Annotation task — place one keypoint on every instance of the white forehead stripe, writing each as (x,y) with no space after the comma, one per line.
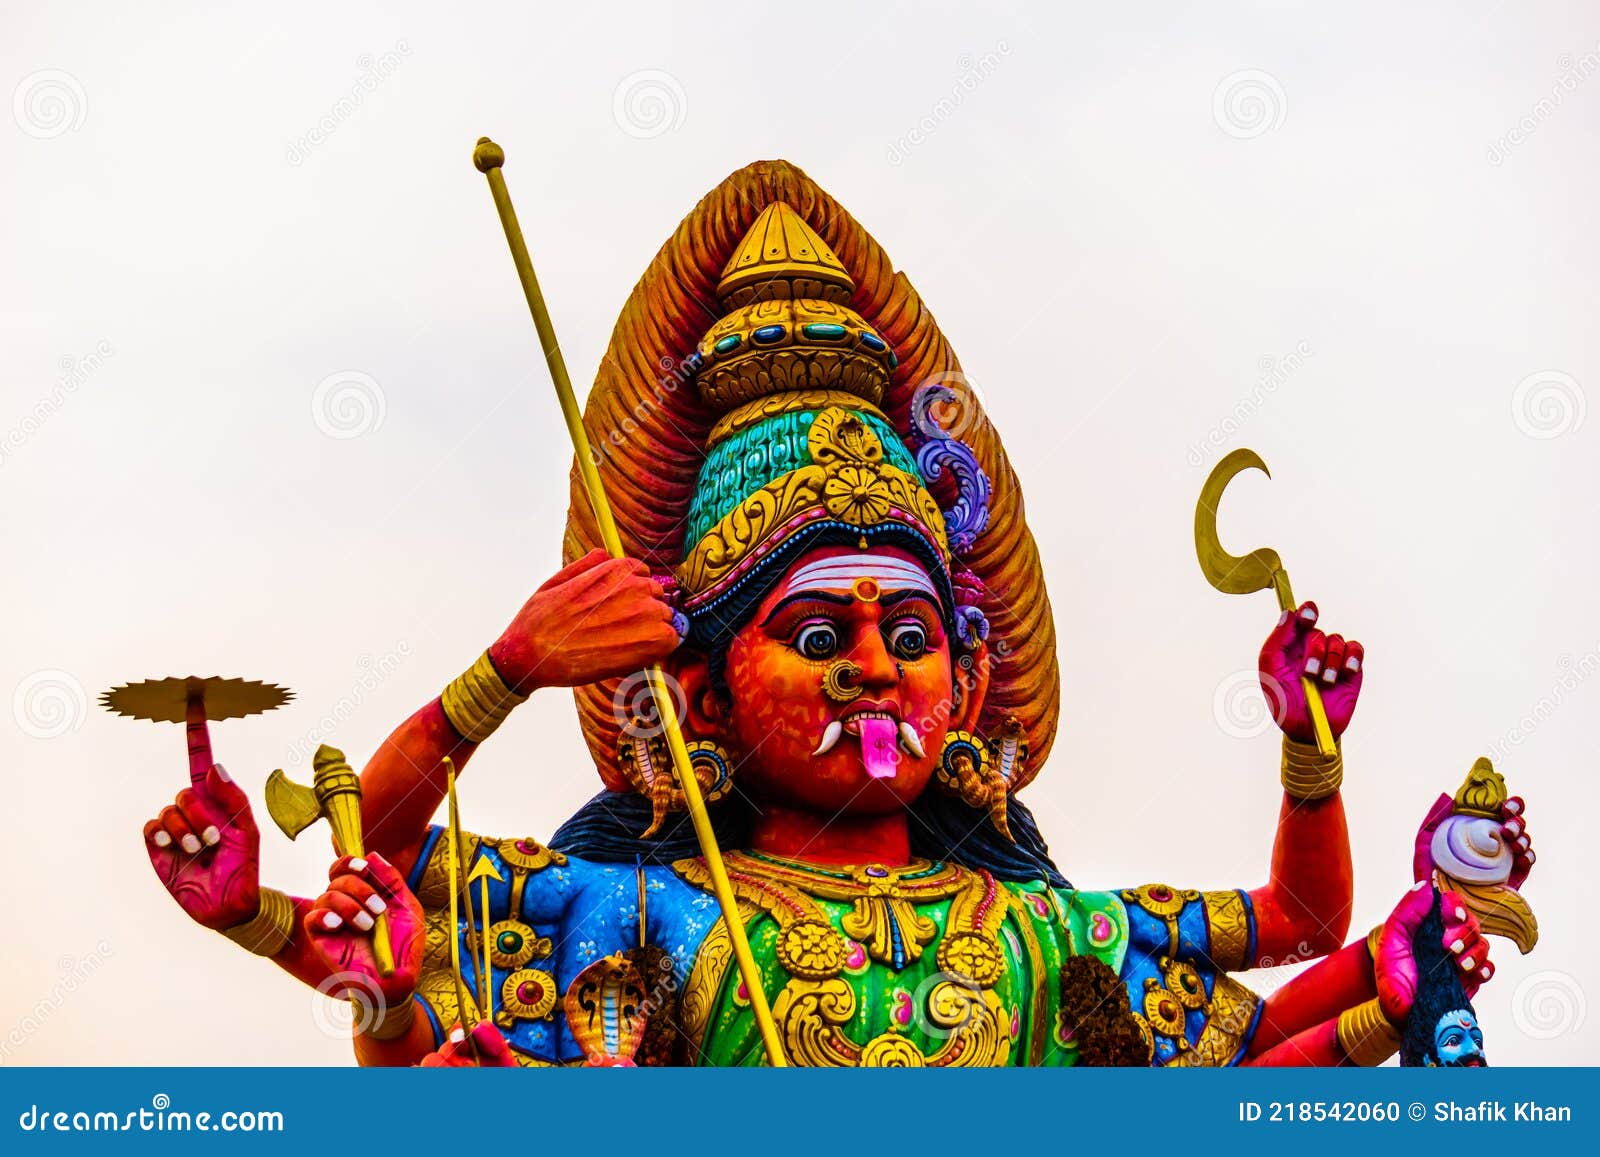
(838,576)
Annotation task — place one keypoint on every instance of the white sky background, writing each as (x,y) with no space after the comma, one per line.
(1115,259)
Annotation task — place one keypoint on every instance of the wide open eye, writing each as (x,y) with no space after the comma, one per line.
(908,640)
(817,641)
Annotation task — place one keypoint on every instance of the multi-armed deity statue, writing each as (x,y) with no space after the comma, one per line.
(828,556)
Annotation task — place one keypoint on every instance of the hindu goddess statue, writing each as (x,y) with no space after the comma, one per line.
(830,558)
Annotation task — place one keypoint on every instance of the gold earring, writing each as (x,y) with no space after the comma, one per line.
(838,681)
(966,770)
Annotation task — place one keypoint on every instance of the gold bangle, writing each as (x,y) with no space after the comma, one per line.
(1307,773)
(1366,1036)
(269,931)
(1372,941)
(391,1022)
(478,701)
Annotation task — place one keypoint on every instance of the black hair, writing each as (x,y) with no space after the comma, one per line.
(1439,990)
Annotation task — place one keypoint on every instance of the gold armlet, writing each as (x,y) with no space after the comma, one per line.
(390,1022)
(1366,1036)
(478,701)
(269,931)
(1307,773)
(1372,941)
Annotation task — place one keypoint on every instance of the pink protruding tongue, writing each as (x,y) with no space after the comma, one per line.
(879,747)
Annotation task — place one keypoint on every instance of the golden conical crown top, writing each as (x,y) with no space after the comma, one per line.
(782,257)
(1483,792)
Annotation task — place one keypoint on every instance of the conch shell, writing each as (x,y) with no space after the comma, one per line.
(1470,857)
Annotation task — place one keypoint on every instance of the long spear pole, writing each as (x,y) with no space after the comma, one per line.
(487,158)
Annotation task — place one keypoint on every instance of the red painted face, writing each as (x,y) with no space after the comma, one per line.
(802,747)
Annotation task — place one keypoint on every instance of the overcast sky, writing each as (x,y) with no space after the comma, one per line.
(270,406)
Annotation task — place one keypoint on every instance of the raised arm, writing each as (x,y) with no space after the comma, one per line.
(594,619)
(1303,910)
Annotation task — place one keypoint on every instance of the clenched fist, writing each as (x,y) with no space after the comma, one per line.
(1295,648)
(596,618)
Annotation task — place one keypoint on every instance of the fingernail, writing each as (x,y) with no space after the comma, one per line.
(377,906)
(1532,856)
(1513,806)
(1461,913)
(1523,843)
(1352,664)
(358,865)
(161,840)
(222,773)
(1419,885)
(1313,666)
(457,1036)
(1456,946)
(190,844)
(1513,829)
(1309,615)
(1466,964)
(1283,618)
(331,921)
(1329,674)
(211,836)
(362,921)
(1488,971)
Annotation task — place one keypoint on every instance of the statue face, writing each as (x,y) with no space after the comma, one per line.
(805,748)
(1458,1041)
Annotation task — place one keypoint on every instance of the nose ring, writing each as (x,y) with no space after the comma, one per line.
(839,681)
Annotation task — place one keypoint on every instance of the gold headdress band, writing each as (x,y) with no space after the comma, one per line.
(650,420)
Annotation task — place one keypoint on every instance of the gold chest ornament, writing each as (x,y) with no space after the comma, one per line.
(817,1002)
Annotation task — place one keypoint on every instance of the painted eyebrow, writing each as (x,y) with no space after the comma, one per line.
(808,597)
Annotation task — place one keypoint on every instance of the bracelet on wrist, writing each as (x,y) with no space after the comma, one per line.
(478,701)
(1307,773)
(269,931)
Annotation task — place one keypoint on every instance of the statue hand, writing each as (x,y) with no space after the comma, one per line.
(205,850)
(1297,648)
(457,1052)
(341,921)
(1395,966)
(1513,834)
(594,619)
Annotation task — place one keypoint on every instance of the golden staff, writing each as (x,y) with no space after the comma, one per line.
(1245,574)
(452,835)
(487,158)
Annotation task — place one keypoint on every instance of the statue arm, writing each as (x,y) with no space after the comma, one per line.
(1303,910)
(596,618)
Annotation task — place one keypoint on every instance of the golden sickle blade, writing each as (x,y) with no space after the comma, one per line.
(1234,574)
(487,158)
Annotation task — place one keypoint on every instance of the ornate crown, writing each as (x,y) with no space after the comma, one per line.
(789,329)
